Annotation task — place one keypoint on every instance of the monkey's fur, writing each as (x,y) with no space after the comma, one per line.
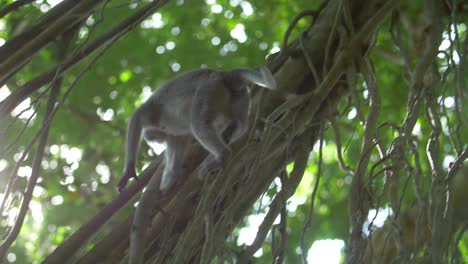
(209,105)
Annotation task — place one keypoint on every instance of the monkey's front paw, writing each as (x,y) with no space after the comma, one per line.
(128,174)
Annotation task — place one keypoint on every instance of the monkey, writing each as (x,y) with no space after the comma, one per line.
(210,106)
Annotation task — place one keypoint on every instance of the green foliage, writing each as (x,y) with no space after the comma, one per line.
(182,36)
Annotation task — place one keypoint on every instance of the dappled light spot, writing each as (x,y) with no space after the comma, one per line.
(3,164)
(53,3)
(231,46)
(449,102)
(154,22)
(223,51)
(107,115)
(205,22)
(39,191)
(125,76)
(275,48)
(103,171)
(53,164)
(376,218)
(11,257)
(170,45)
(45,164)
(352,113)
(160,49)
(157,148)
(12,214)
(348,179)
(238,33)
(215,41)
(445,44)
(90,21)
(83,32)
(448,160)
(57,200)
(54,149)
(247,234)
(417,129)
(4,92)
(24,110)
(234,3)
(175,67)
(247,8)
(68,179)
(228,14)
(327,251)
(217,8)
(175,31)
(112,80)
(113,94)
(24,171)
(146,93)
(70,155)
(72,189)
(97,100)
(44,8)
(17,156)
(365,93)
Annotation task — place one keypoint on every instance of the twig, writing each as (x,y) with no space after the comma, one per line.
(277,205)
(17,60)
(308,222)
(36,166)
(9,103)
(24,37)
(343,165)
(358,204)
(293,24)
(207,246)
(280,253)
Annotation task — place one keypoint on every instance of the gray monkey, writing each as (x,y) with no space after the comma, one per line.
(209,105)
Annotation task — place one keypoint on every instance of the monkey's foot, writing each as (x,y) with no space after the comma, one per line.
(211,167)
(166,183)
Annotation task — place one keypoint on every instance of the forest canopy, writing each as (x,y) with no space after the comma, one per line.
(360,156)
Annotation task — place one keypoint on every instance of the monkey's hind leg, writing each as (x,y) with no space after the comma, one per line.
(176,146)
(211,115)
(212,140)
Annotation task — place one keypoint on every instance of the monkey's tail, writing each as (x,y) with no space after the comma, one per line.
(262,77)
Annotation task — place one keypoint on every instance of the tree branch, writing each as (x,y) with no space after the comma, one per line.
(13,6)
(17,59)
(127,25)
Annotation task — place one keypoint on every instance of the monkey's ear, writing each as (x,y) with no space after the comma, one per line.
(269,80)
(263,77)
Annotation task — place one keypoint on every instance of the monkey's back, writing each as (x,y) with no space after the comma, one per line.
(185,84)
(173,100)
